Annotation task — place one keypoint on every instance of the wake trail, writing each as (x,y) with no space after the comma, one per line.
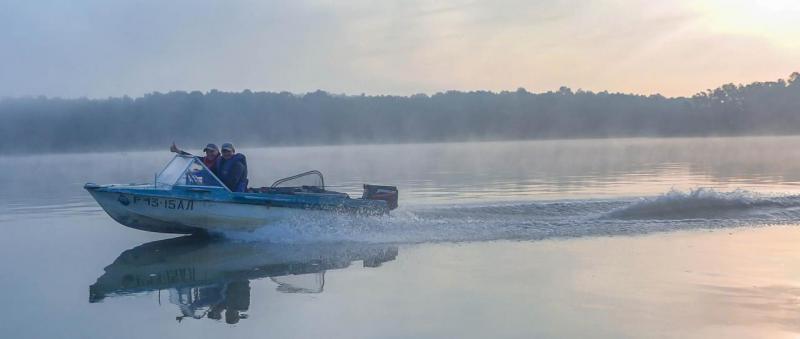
(700,208)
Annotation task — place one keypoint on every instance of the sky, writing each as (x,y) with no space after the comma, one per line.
(100,48)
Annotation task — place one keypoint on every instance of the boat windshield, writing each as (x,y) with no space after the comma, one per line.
(186,170)
(310,178)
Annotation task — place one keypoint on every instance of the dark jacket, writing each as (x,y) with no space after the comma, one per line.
(233,172)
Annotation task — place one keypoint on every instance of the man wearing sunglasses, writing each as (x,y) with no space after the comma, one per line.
(233,169)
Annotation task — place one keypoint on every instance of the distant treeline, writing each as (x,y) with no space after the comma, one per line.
(265,118)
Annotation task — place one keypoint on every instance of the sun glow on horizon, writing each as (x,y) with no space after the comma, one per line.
(774,20)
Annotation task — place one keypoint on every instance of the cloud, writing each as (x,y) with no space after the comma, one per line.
(98,48)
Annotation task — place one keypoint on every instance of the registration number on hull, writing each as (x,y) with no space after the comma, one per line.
(172,204)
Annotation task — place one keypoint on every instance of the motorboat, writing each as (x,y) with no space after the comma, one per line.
(204,276)
(187,198)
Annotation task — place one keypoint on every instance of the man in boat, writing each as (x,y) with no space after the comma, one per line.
(233,169)
(211,160)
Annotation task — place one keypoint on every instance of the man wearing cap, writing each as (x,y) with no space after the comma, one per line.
(233,169)
(211,160)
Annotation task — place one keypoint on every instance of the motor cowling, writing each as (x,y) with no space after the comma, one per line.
(385,193)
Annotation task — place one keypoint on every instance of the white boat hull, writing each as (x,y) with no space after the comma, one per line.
(173,215)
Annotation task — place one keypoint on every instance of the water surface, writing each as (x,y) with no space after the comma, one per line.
(576,238)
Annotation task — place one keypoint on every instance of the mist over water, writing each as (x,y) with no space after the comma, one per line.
(479,191)
(574,222)
(320,118)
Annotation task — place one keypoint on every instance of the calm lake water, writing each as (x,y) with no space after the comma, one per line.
(568,238)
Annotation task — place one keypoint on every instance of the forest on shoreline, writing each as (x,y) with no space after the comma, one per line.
(41,124)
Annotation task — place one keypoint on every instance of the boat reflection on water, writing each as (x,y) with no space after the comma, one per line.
(207,277)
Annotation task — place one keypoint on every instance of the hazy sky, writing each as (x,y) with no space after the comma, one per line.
(100,48)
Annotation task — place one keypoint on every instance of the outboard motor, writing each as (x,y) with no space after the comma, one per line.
(385,193)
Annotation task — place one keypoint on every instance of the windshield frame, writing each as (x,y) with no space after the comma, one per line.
(278,182)
(159,182)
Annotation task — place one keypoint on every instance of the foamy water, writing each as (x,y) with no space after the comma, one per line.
(701,208)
